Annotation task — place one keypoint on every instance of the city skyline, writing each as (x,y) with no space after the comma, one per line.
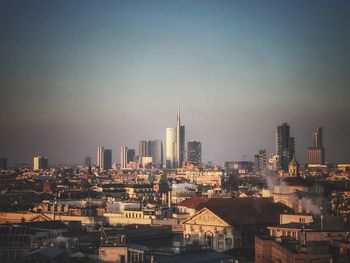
(77,75)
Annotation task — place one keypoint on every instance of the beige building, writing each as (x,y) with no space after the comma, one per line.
(122,254)
(226,223)
(208,229)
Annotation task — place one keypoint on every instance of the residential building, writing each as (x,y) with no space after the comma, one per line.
(260,161)
(194,152)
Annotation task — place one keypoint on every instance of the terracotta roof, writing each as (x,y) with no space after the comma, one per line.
(194,202)
(241,211)
(248,211)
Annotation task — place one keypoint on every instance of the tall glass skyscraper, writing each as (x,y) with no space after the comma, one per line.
(175,144)
(107,159)
(285,146)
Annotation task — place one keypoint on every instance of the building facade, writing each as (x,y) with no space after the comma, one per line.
(285,146)
(316,153)
(107,159)
(123,157)
(175,144)
(194,152)
(99,158)
(41,163)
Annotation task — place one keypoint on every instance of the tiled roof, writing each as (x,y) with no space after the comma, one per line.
(242,211)
(45,224)
(193,202)
(247,211)
(51,252)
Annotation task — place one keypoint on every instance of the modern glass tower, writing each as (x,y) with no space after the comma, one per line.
(285,146)
(107,159)
(175,144)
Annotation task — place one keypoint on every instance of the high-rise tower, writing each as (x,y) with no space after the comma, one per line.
(180,140)
(316,153)
(194,152)
(175,144)
(123,156)
(285,146)
(100,157)
(107,159)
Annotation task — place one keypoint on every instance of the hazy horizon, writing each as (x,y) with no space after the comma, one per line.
(79,74)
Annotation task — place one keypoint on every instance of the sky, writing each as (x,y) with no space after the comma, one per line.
(78,74)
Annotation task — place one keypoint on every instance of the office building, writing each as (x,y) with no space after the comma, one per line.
(3,163)
(175,144)
(99,158)
(131,156)
(194,152)
(285,146)
(260,161)
(170,147)
(155,150)
(41,163)
(143,148)
(123,157)
(107,159)
(316,153)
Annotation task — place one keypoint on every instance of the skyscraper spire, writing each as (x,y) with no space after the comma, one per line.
(178,123)
(175,143)
(178,144)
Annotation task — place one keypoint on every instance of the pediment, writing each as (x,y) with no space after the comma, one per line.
(40,218)
(206,217)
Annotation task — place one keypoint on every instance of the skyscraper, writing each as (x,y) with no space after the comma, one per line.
(170,147)
(180,140)
(317,138)
(143,148)
(130,156)
(285,146)
(155,150)
(99,158)
(260,160)
(316,153)
(194,152)
(41,163)
(107,159)
(175,144)
(123,156)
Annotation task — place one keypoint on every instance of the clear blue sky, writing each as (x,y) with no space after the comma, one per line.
(78,74)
